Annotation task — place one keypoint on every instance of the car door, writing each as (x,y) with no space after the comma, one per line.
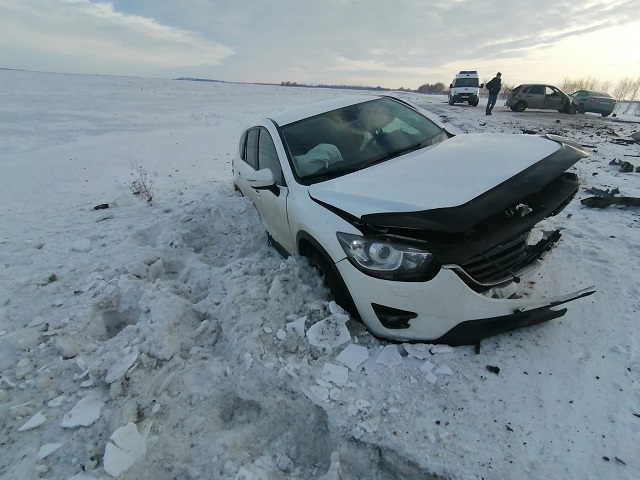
(535,96)
(554,99)
(580,97)
(271,202)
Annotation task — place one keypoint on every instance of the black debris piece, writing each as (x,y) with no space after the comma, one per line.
(627,167)
(493,369)
(606,198)
(620,461)
(623,141)
(102,206)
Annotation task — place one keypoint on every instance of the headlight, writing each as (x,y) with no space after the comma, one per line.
(392,261)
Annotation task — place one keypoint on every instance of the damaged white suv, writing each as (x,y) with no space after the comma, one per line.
(421,234)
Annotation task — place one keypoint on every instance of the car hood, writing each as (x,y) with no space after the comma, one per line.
(455,177)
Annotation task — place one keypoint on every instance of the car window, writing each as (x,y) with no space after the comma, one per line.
(351,138)
(537,90)
(268,156)
(251,150)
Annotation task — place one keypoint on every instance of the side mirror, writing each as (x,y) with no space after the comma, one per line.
(263,180)
(451,85)
(482,85)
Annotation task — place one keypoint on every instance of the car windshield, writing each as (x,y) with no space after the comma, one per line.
(355,137)
(466,82)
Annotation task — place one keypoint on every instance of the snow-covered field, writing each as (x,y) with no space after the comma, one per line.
(171,342)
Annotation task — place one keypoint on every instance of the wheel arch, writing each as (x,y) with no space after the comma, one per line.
(308,247)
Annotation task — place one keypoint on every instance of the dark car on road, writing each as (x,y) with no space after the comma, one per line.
(594,102)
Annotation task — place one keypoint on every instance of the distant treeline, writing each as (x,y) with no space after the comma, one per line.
(626,89)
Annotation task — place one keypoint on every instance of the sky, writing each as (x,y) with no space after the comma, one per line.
(405,43)
(172,341)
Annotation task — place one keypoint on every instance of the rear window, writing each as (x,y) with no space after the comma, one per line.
(600,94)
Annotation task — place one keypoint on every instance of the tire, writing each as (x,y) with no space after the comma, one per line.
(451,102)
(473,104)
(605,114)
(581,108)
(520,107)
(333,281)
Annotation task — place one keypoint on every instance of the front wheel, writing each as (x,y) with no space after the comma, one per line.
(333,281)
(473,104)
(605,114)
(520,107)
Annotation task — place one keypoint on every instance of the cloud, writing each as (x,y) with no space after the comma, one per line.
(406,42)
(82,32)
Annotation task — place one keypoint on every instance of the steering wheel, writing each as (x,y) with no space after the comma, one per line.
(374,138)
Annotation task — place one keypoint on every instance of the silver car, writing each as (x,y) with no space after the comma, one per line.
(595,102)
(540,96)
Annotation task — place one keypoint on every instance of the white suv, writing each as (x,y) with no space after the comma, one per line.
(420,234)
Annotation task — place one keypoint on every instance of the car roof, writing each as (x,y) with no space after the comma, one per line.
(540,84)
(306,111)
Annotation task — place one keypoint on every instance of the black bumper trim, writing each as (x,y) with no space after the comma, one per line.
(472,331)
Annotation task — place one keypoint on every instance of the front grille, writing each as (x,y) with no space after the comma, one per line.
(499,263)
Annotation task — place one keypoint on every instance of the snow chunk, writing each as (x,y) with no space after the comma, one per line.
(127,448)
(82,245)
(430,377)
(321,393)
(116,461)
(34,422)
(48,449)
(329,333)
(120,367)
(419,351)
(128,438)
(426,367)
(390,356)
(125,200)
(443,370)
(297,326)
(336,374)
(84,413)
(56,402)
(353,356)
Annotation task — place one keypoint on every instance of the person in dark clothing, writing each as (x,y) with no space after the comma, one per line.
(494,85)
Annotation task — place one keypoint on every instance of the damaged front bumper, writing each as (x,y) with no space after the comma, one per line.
(445,309)
(472,331)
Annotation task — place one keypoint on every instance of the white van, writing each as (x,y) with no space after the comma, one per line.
(465,87)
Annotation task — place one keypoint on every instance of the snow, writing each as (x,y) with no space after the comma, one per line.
(170,341)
